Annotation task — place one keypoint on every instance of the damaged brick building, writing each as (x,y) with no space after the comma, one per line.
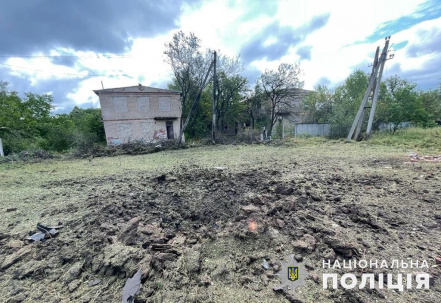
(139,113)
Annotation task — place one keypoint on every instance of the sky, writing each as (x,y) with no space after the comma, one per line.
(69,48)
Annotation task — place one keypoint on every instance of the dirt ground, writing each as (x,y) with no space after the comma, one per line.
(200,223)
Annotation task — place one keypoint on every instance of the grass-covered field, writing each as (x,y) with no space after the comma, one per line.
(315,198)
(417,139)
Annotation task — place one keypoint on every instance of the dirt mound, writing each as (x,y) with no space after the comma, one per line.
(197,232)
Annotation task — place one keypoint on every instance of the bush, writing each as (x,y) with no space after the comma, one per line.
(410,138)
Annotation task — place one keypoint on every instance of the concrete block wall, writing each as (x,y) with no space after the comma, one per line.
(139,116)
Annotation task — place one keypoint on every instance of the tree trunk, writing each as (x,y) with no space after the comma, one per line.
(195,103)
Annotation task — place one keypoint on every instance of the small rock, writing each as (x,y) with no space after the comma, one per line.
(249,209)
(162,257)
(30,268)
(15,257)
(205,281)
(94,282)
(340,247)
(74,285)
(110,229)
(316,197)
(307,242)
(264,279)
(221,273)
(115,256)
(192,259)
(289,204)
(73,272)
(128,233)
(245,280)
(280,223)
(283,190)
(145,266)
(14,244)
(438,260)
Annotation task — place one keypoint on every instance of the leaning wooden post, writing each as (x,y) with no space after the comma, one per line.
(1,148)
(213,122)
(365,98)
(377,88)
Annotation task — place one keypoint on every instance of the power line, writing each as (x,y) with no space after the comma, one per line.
(46,71)
(97,56)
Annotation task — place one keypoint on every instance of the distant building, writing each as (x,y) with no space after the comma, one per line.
(139,113)
(293,106)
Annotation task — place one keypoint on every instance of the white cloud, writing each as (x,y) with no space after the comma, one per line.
(334,51)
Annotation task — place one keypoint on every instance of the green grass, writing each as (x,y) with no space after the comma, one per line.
(420,140)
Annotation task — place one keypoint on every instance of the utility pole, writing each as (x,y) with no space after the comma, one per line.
(377,90)
(1,148)
(213,122)
(360,122)
(373,87)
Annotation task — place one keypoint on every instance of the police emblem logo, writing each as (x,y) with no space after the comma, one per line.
(293,273)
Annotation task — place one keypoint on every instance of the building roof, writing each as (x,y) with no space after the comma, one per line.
(135,89)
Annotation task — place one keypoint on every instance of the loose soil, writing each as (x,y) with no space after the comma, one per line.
(201,232)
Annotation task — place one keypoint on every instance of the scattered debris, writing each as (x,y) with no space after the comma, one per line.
(414,157)
(94,282)
(208,230)
(131,288)
(8,210)
(44,231)
(265,264)
(39,236)
(220,167)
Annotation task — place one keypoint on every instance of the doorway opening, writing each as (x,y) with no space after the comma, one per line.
(169,127)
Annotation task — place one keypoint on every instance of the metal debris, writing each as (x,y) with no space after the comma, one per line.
(44,232)
(94,282)
(220,167)
(131,288)
(265,264)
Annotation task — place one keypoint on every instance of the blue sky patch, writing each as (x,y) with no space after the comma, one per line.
(427,11)
(400,45)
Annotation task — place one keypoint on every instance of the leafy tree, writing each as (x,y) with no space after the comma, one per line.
(431,102)
(318,104)
(229,94)
(347,100)
(278,88)
(11,109)
(191,68)
(255,110)
(89,121)
(400,102)
(57,133)
(28,124)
